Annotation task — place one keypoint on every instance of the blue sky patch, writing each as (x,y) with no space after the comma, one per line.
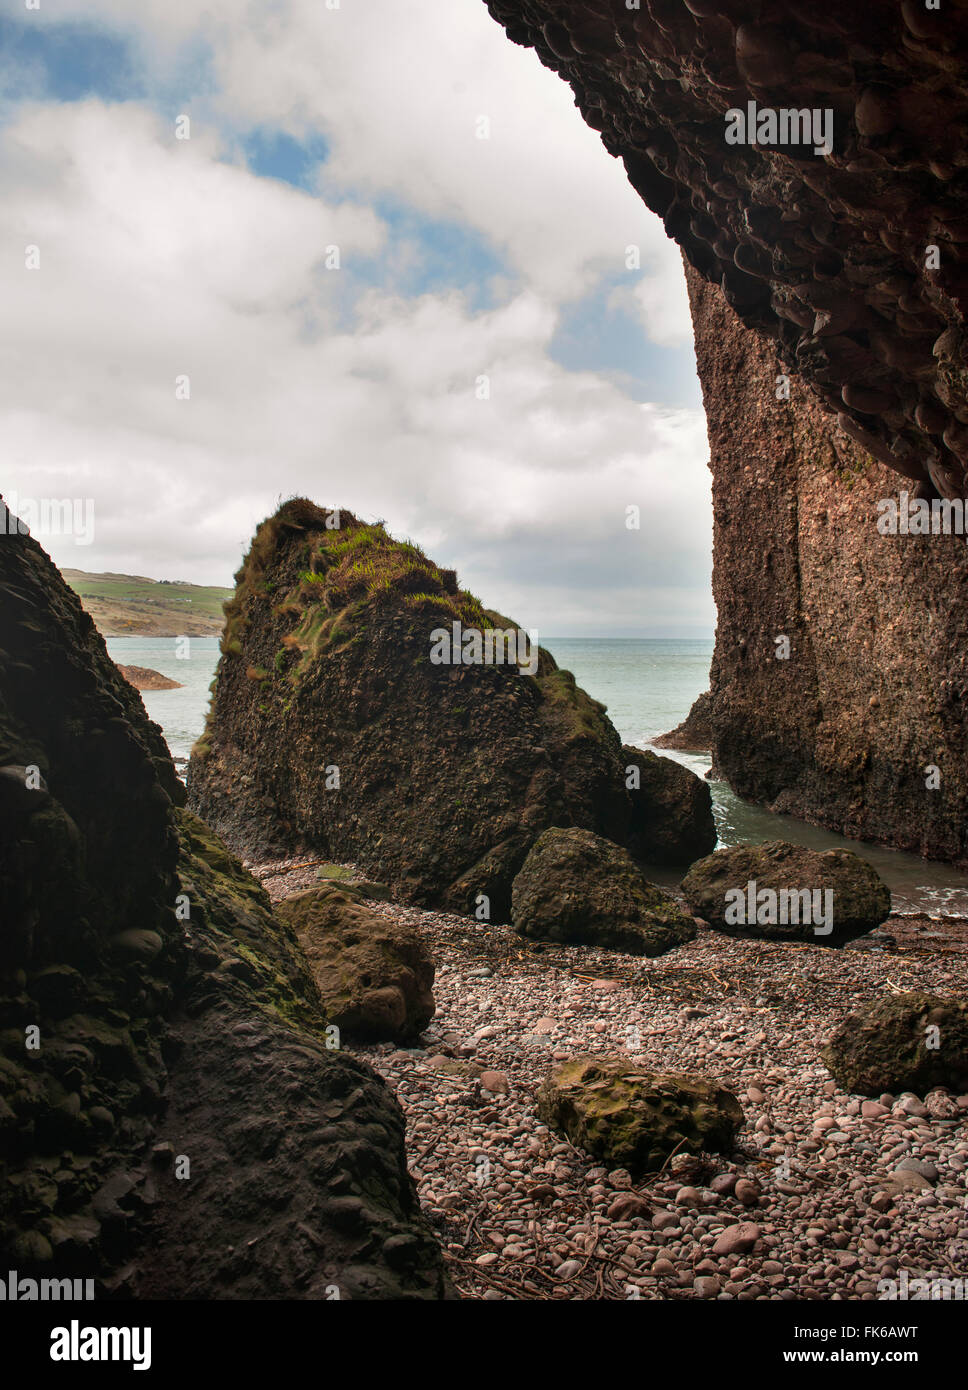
(272,154)
(593,335)
(446,255)
(68,61)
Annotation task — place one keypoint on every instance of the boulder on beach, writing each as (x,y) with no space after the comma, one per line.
(576,887)
(785,892)
(634,1119)
(369,709)
(901,1042)
(672,810)
(375,976)
(695,733)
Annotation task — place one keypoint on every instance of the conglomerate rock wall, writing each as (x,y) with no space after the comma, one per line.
(858,719)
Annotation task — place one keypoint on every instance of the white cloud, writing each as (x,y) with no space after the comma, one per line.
(161,257)
(660,301)
(398,90)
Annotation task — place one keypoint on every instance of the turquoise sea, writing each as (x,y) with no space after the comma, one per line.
(648,686)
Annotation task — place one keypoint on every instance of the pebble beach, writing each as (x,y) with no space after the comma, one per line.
(826,1195)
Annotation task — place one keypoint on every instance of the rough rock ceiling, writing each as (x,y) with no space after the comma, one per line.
(828,254)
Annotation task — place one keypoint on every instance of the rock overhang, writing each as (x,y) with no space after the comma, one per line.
(852,261)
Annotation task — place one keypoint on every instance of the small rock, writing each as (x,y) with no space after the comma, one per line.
(495,1081)
(737,1239)
(903,1181)
(544,1192)
(920,1166)
(628,1207)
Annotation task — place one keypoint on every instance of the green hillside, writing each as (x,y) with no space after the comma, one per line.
(131,605)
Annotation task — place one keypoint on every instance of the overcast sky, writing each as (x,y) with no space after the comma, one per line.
(461,257)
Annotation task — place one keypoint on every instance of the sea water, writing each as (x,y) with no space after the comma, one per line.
(648,687)
(190,661)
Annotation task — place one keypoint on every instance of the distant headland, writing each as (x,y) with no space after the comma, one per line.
(130,605)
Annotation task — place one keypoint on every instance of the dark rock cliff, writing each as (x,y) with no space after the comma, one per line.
(172,1121)
(829,255)
(332,727)
(874,692)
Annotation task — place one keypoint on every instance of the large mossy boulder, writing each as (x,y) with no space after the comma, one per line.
(785,892)
(156,1015)
(632,1118)
(901,1042)
(346,719)
(576,887)
(375,977)
(672,810)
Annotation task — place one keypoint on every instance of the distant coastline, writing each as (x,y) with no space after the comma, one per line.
(128,605)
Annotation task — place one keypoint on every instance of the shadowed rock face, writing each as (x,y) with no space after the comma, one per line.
(827,256)
(672,816)
(131,1038)
(65,711)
